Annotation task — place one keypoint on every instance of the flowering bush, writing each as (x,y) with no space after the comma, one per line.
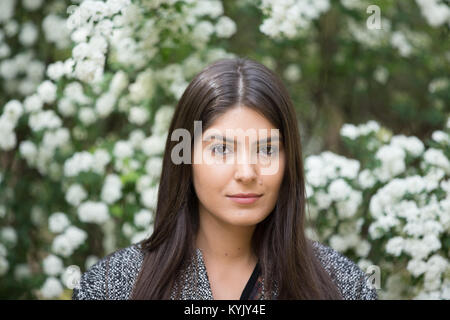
(89,88)
(95,132)
(389,207)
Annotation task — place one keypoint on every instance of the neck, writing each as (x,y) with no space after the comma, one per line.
(224,243)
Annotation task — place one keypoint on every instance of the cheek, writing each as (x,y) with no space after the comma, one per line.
(209,180)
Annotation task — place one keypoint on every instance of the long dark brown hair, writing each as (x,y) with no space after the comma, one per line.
(286,256)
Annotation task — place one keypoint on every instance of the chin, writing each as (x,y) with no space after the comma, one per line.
(245,219)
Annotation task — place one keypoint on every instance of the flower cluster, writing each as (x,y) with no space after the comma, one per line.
(118,61)
(407,215)
(21,68)
(288,17)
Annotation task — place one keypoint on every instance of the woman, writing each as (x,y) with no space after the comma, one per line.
(230,226)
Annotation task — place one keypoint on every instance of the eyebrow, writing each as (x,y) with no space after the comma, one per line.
(219,137)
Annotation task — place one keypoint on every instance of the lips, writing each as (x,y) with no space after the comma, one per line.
(245,195)
(244,198)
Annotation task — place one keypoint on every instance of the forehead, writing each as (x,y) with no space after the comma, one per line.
(240,117)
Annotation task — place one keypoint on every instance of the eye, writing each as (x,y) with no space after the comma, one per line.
(268,150)
(219,148)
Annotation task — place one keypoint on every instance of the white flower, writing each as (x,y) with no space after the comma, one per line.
(399,41)
(56,70)
(416,248)
(366,179)
(33,103)
(143,218)
(12,111)
(101,159)
(128,230)
(339,190)
(6,10)
(112,189)
(432,242)
(46,119)
(143,182)
(75,236)
(153,166)
(412,145)
(71,276)
(136,138)
(348,208)
(79,162)
(28,150)
(395,246)
(89,71)
(9,235)
(435,12)
(105,104)
(29,34)
(21,271)
(52,265)
(143,87)
(290,18)
(392,162)
(437,158)
(61,245)
(55,139)
(87,116)
(292,73)
(162,119)
(149,197)
(138,115)
(350,131)
(90,261)
(211,8)
(123,149)
(95,212)
(202,32)
(52,288)
(32,5)
(66,107)
(440,137)
(154,145)
(58,222)
(381,74)
(436,265)
(323,199)
(8,137)
(363,248)
(416,267)
(47,91)
(118,83)
(225,27)
(74,91)
(339,243)
(139,236)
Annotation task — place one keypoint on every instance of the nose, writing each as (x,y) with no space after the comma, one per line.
(246,171)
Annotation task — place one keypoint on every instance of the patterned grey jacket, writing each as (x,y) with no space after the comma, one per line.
(113,277)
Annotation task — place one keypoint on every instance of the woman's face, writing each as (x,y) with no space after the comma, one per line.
(237,166)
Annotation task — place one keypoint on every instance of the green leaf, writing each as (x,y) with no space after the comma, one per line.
(117,211)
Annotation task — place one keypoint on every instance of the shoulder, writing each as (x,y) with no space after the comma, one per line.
(350,279)
(112,277)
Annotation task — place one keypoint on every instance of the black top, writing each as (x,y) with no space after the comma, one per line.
(250,283)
